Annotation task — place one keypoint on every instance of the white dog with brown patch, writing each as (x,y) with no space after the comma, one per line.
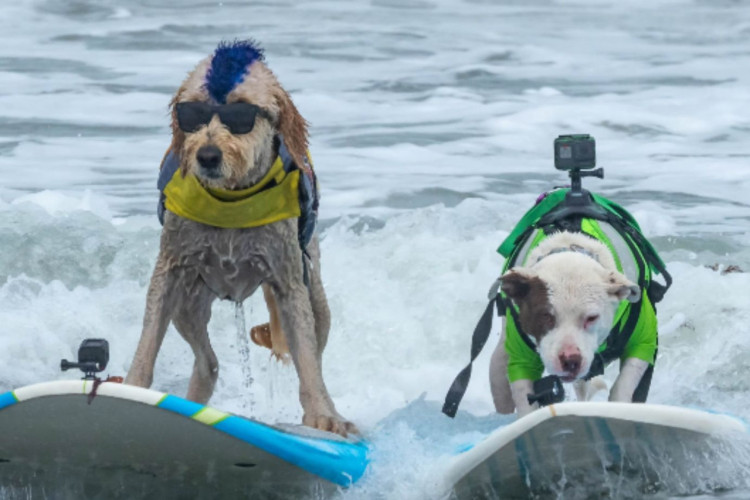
(567,296)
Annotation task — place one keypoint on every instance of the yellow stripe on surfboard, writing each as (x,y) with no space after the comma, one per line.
(209,416)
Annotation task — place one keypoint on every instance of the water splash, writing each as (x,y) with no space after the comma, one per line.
(243,345)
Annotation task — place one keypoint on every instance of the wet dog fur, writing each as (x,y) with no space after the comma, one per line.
(566,302)
(198,263)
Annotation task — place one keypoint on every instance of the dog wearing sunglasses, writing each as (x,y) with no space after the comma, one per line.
(230,119)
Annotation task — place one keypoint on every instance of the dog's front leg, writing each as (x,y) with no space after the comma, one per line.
(192,313)
(631,373)
(520,390)
(499,384)
(298,323)
(159,305)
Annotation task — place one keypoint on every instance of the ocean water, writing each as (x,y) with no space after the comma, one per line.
(431,129)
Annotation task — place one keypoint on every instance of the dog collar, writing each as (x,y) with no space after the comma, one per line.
(571,248)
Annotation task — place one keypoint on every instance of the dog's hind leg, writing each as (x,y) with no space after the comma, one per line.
(159,305)
(191,318)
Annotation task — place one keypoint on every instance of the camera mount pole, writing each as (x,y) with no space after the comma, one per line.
(578,196)
(578,201)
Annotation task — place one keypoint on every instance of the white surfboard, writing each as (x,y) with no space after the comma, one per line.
(131,442)
(618,450)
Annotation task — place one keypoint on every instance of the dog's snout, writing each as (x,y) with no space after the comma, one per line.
(209,157)
(571,362)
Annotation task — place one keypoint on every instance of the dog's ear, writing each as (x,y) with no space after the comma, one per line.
(178,136)
(517,283)
(621,288)
(293,127)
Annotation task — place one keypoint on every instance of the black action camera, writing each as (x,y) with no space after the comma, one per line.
(575,152)
(93,356)
(547,390)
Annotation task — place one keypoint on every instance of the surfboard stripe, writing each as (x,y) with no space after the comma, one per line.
(7,399)
(179,405)
(340,462)
(210,416)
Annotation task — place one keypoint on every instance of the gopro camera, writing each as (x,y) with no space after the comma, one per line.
(575,152)
(93,356)
(547,390)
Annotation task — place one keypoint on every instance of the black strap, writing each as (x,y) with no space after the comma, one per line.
(305,269)
(655,290)
(618,337)
(641,392)
(616,342)
(478,339)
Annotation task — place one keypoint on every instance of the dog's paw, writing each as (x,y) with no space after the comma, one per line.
(337,424)
(595,385)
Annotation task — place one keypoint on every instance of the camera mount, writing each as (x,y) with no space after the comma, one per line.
(576,153)
(577,195)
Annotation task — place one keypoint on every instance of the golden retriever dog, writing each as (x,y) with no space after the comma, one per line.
(233,127)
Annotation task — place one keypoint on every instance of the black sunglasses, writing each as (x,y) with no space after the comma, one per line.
(238,117)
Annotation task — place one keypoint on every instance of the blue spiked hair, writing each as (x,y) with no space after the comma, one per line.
(228,66)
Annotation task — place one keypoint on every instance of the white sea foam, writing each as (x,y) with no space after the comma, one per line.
(432,124)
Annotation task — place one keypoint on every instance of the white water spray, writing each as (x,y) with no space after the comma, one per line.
(243,345)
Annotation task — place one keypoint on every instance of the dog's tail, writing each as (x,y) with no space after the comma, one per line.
(262,336)
(270,335)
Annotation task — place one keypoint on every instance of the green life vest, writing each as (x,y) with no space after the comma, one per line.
(551,213)
(633,333)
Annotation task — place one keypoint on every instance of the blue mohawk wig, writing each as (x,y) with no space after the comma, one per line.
(229,65)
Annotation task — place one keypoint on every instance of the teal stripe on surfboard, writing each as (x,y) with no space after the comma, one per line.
(339,461)
(7,399)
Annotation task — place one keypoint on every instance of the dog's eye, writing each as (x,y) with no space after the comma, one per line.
(590,320)
(548,320)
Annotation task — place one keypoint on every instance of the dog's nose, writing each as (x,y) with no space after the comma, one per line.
(571,362)
(209,157)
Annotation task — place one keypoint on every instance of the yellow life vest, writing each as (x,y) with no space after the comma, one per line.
(274,198)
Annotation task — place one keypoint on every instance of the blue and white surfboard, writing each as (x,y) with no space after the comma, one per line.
(132,442)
